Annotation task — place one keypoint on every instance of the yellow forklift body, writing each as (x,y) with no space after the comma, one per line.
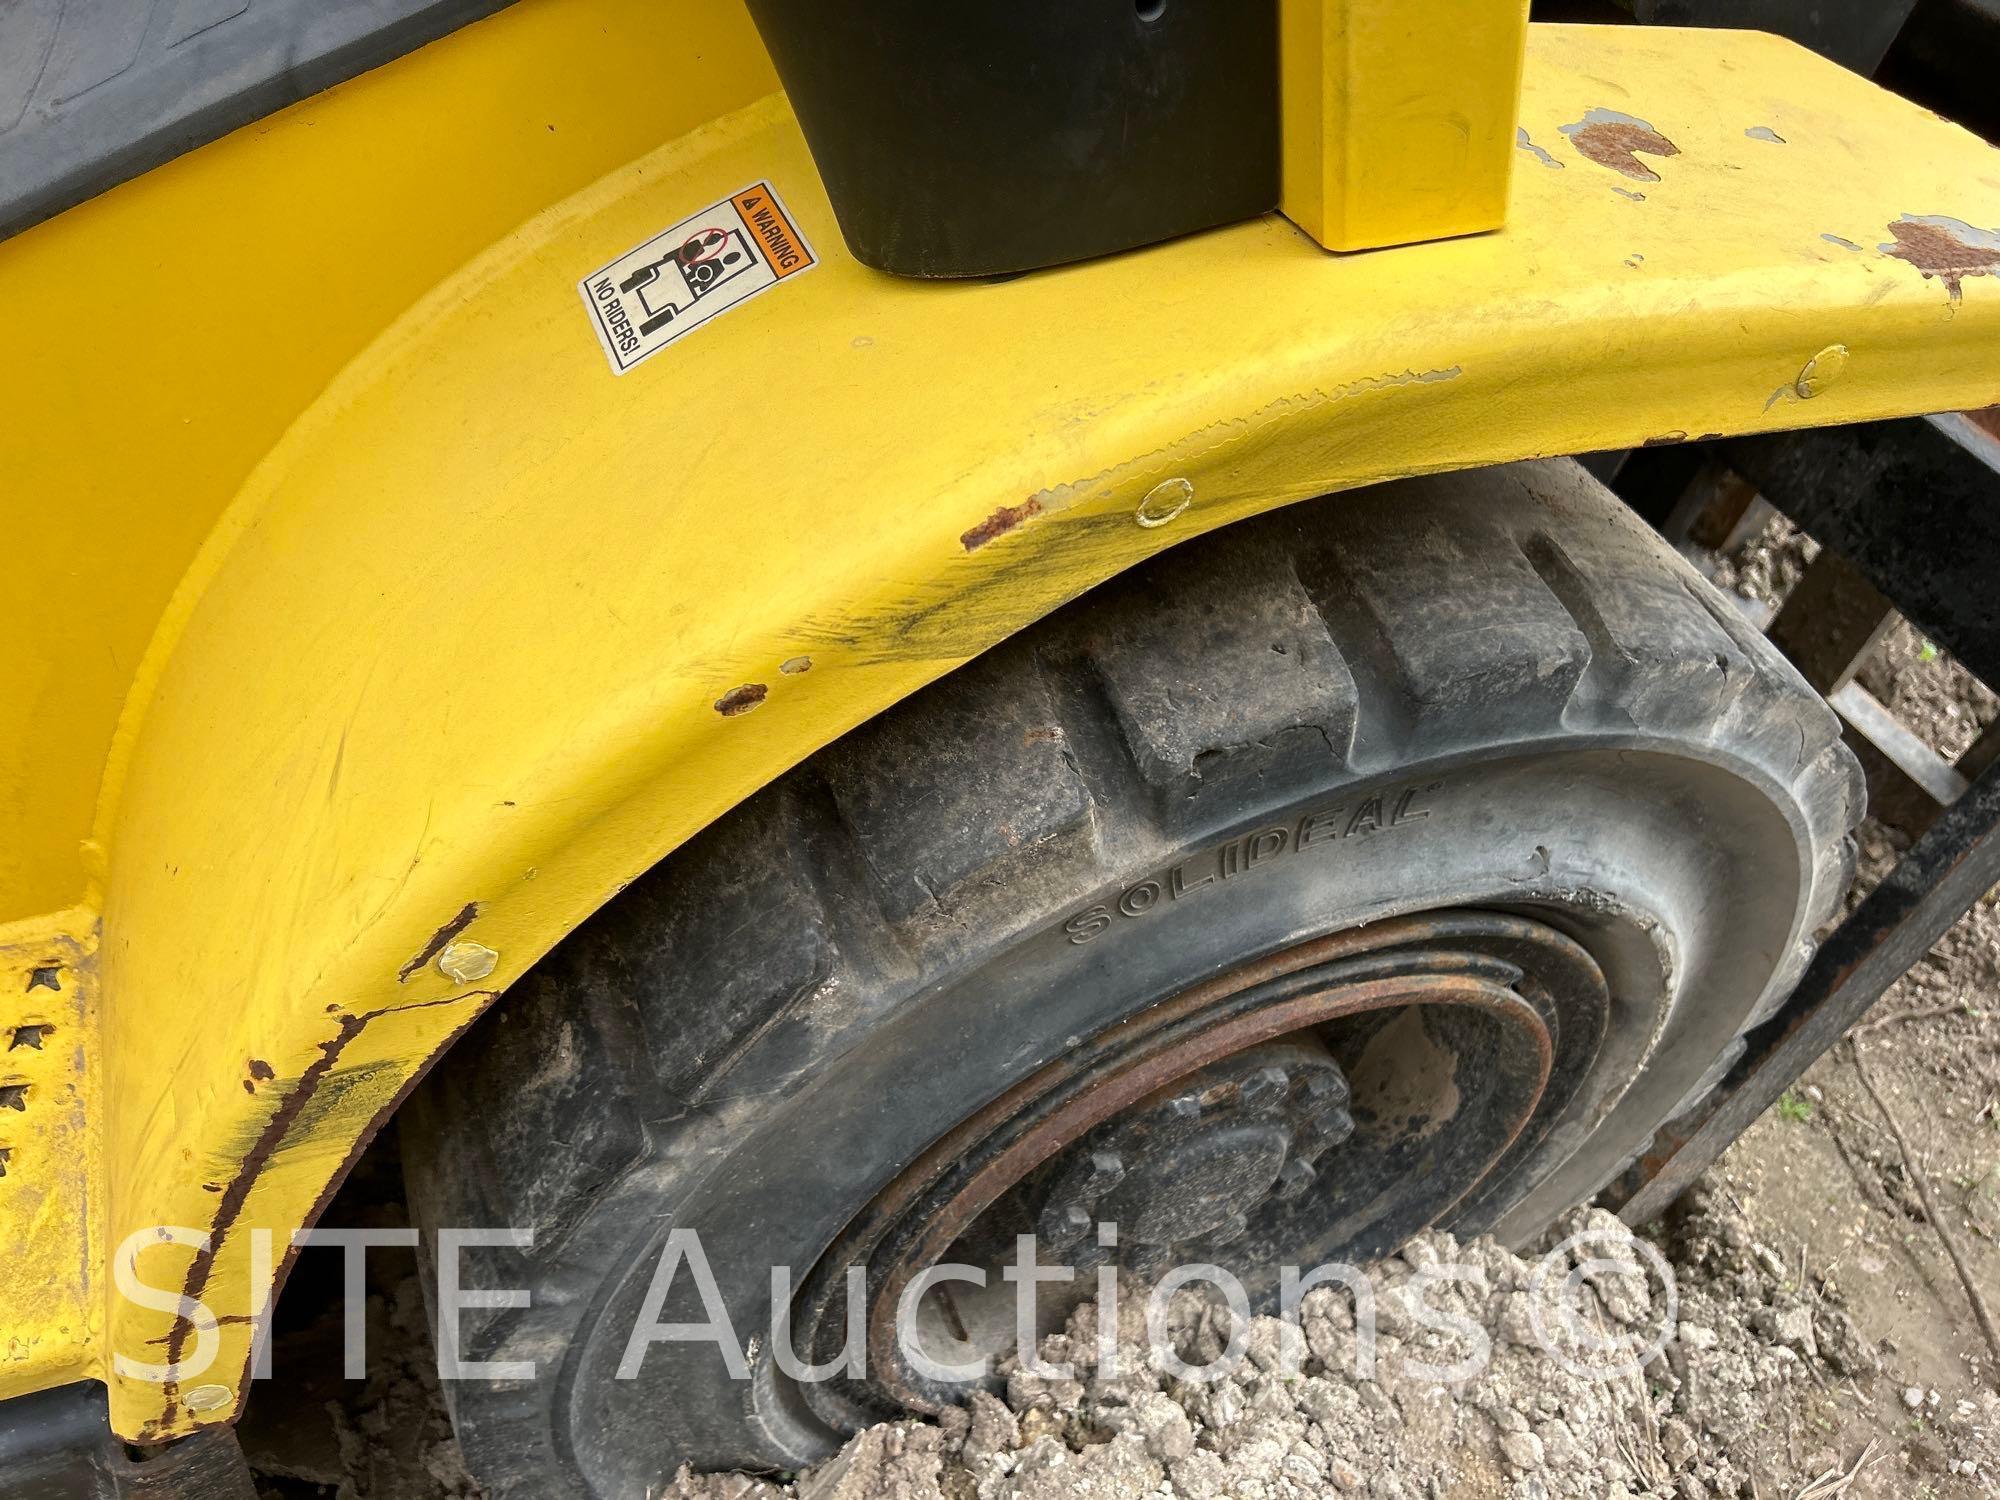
(1397,121)
(425,630)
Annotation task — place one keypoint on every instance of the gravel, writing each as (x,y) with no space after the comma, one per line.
(1550,1415)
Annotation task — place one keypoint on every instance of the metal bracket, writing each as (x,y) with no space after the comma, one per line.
(1910,514)
(58,1445)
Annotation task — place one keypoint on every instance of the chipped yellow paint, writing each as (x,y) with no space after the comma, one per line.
(1398,120)
(49,1152)
(489,630)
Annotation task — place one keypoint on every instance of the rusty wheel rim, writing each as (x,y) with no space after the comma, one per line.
(1516,1009)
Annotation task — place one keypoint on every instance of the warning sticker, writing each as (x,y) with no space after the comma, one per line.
(684,276)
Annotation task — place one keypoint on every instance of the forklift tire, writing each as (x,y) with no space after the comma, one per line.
(1404,857)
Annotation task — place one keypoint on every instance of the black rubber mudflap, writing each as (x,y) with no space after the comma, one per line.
(92,93)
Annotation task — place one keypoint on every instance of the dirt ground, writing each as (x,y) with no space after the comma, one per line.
(1826,1345)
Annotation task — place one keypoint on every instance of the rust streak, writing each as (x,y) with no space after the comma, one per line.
(230,1207)
(439,938)
(214,1320)
(1002,521)
(236,1193)
(741,700)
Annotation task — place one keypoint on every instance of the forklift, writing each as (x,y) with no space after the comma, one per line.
(863,629)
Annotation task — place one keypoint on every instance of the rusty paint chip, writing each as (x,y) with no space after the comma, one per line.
(1614,140)
(439,938)
(741,700)
(1949,249)
(262,1071)
(792,666)
(1002,521)
(14,1096)
(44,977)
(29,1036)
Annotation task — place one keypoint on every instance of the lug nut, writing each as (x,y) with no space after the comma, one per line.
(1294,1178)
(1102,1172)
(1265,1088)
(1317,1134)
(1333,1127)
(1321,1090)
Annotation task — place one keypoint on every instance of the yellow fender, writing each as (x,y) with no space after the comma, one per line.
(491,629)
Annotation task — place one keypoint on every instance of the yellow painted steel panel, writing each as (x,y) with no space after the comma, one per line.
(1398,119)
(49,1152)
(157,341)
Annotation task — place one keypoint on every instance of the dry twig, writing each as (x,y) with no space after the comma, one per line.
(1833,1482)
(1921,1181)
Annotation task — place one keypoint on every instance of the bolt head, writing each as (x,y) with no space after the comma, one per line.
(1165,502)
(466,962)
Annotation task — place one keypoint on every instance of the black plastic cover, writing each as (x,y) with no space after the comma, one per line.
(984,137)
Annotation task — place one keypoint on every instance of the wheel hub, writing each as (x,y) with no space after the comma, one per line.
(1204,1154)
(1321,1103)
